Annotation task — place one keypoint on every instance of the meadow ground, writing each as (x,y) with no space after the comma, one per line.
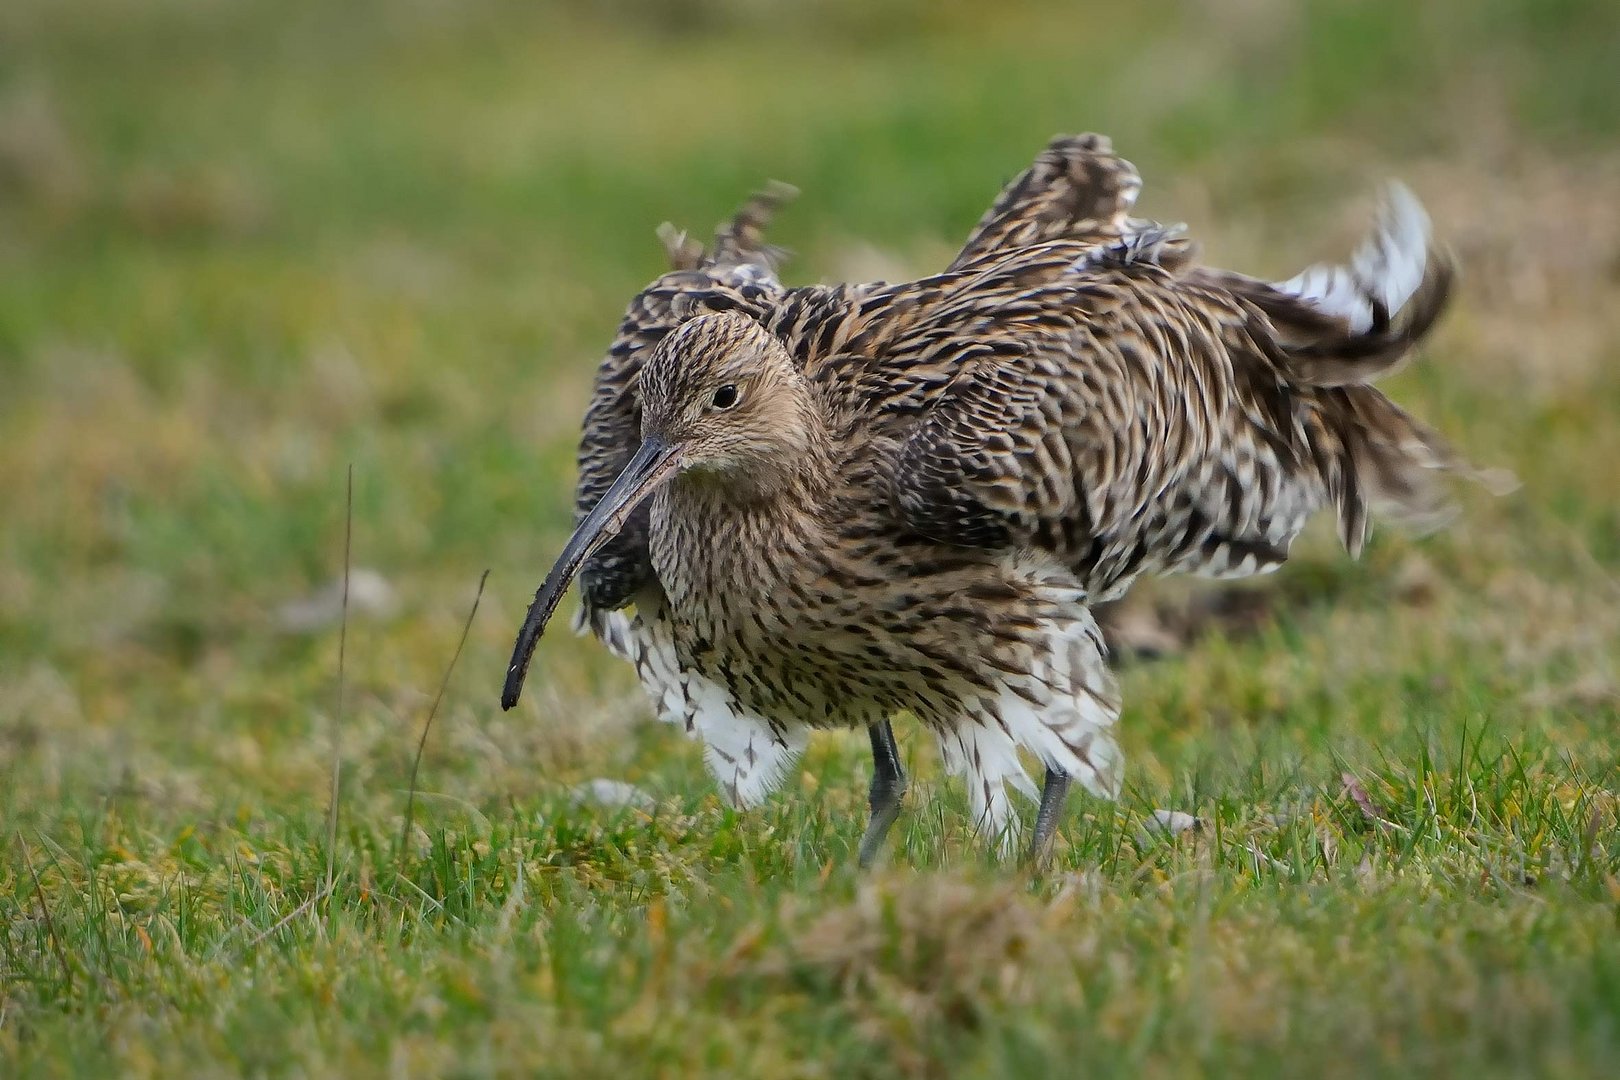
(245,245)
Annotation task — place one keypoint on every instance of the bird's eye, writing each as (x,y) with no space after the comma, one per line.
(725,397)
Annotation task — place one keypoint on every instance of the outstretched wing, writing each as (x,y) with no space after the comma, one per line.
(1125,411)
(738,271)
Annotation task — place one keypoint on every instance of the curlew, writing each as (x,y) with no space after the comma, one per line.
(831,504)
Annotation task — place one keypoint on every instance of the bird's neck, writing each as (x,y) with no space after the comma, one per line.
(779,484)
(716,544)
(747,528)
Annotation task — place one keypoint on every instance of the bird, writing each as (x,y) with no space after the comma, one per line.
(825,506)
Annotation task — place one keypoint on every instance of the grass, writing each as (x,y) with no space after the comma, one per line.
(242,246)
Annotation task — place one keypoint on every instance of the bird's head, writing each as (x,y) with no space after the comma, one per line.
(729,405)
(723,405)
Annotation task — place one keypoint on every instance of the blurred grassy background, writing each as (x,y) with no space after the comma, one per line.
(244,244)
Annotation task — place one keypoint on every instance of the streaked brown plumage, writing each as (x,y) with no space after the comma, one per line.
(851,501)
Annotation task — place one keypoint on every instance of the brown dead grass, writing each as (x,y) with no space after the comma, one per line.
(919,958)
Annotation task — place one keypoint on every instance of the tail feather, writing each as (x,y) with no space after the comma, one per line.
(1361,357)
(1347,325)
(1340,328)
(1384,273)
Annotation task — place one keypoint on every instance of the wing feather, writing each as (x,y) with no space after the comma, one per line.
(1077,189)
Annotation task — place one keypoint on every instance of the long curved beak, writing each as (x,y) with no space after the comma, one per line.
(653,464)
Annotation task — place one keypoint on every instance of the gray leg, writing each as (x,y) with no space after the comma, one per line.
(888,789)
(1053,794)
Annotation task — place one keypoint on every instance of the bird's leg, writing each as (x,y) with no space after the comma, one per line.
(888,789)
(1053,794)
